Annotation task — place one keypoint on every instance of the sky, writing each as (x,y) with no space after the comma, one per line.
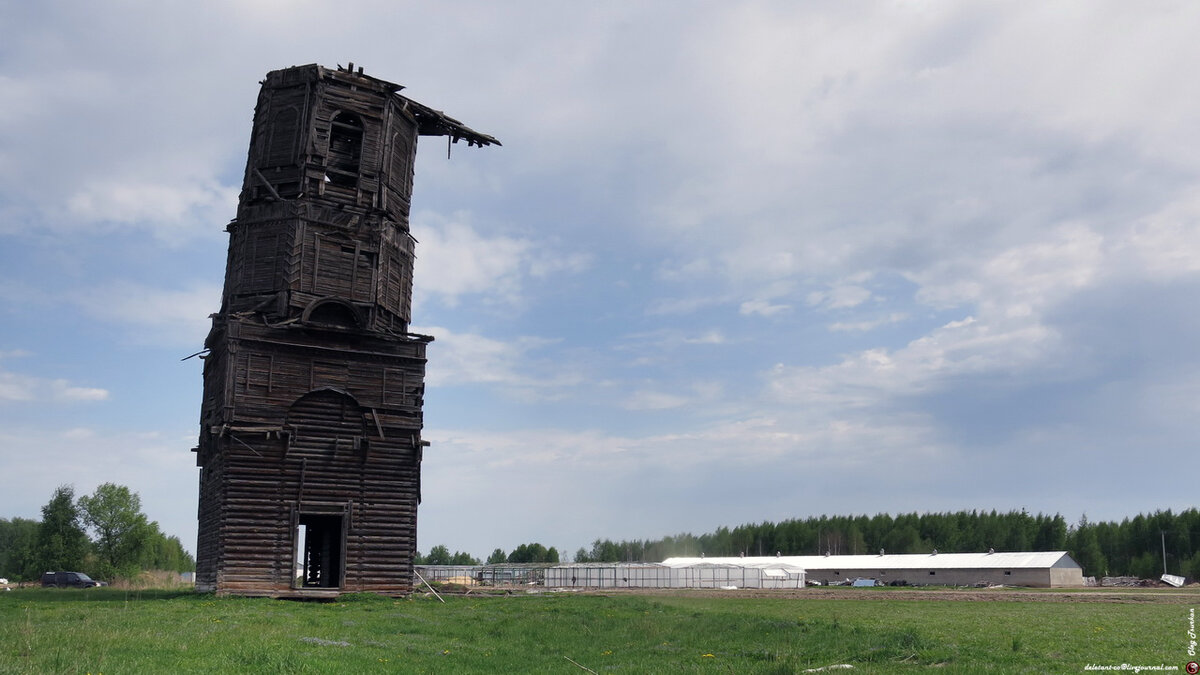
(735,261)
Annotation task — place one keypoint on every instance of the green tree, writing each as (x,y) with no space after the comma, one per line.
(122,531)
(533,553)
(18,543)
(166,553)
(463,558)
(61,542)
(438,555)
(497,556)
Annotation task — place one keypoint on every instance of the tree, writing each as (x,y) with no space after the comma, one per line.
(18,543)
(438,555)
(61,542)
(122,531)
(497,556)
(463,558)
(166,553)
(533,553)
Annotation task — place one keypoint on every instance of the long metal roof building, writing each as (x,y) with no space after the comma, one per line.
(1040,569)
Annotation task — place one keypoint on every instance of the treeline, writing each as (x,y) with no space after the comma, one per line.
(440,555)
(1132,547)
(525,553)
(122,541)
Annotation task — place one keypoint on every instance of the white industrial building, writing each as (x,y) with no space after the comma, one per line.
(1048,569)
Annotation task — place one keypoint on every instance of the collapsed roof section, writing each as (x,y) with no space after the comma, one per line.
(430,122)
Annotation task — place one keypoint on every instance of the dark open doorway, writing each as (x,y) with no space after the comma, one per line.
(319,543)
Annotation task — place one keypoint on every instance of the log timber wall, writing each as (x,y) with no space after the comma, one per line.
(310,431)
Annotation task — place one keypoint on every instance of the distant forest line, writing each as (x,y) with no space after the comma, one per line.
(1132,547)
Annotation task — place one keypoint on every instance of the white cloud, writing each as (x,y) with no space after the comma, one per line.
(681,306)
(173,210)
(458,358)
(1163,245)
(712,337)
(877,377)
(154,464)
(456,260)
(761,308)
(654,400)
(65,392)
(840,297)
(868,325)
(153,315)
(17,387)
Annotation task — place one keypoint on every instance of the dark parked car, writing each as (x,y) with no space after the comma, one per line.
(69,580)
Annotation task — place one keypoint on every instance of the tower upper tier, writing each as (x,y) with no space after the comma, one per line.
(321,235)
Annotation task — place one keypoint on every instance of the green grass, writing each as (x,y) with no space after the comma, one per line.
(112,631)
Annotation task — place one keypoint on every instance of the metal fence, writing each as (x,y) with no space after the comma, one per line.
(513,574)
(618,575)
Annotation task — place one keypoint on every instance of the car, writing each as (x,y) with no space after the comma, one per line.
(69,580)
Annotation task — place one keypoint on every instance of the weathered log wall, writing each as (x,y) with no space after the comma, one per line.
(313,387)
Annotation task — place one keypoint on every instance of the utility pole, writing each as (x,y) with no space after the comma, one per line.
(1164,548)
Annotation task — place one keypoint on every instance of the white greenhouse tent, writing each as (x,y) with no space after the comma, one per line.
(697,573)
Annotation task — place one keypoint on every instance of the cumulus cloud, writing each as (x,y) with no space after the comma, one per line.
(867,325)
(876,378)
(169,209)
(516,364)
(454,259)
(761,308)
(153,315)
(17,387)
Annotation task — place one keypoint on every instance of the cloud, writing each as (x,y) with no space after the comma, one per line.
(459,358)
(172,208)
(876,378)
(17,387)
(151,315)
(654,400)
(155,464)
(141,162)
(681,306)
(841,295)
(761,308)
(455,260)
(867,325)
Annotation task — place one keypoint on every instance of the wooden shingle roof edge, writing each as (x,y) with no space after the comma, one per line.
(430,122)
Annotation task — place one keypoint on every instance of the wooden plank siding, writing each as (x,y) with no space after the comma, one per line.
(311,418)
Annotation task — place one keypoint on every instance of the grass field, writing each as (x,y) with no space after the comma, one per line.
(112,631)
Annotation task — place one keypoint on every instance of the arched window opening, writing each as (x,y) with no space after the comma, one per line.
(332,313)
(345,150)
(323,422)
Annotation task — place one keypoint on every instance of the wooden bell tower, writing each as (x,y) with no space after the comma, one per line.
(310,428)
